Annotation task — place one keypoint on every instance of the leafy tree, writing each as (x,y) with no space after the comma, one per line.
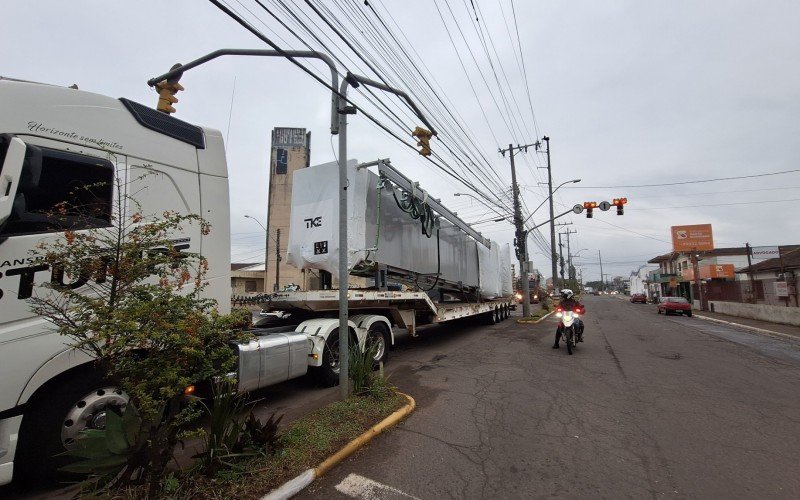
(127,296)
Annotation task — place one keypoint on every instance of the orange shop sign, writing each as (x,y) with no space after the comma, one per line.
(697,237)
(717,271)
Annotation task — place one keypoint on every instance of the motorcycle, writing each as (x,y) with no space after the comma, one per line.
(571,326)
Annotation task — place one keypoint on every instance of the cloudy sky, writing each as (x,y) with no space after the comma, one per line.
(631,93)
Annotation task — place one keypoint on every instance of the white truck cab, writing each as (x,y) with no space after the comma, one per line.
(53,140)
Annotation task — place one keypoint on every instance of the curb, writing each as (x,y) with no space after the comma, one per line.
(524,321)
(296,485)
(754,328)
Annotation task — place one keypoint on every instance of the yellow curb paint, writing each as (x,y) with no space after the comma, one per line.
(366,437)
(524,321)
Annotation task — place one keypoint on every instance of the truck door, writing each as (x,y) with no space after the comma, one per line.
(56,189)
(154,188)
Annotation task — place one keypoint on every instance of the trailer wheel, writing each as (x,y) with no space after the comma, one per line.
(53,421)
(498,317)
(506,314)
(378,337)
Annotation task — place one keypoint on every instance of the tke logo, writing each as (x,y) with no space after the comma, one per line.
(315,222)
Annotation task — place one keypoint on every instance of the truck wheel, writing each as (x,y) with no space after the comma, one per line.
(54,420)
(378,337)
(689,313)
(328,374)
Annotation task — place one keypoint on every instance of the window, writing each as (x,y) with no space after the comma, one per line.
(249,286)
(59,190)
(281,160)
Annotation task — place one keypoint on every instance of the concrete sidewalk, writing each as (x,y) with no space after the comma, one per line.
(754,324)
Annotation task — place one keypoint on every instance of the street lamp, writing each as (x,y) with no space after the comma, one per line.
(574,181)
(266,254)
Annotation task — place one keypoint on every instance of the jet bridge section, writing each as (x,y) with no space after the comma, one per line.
(394,228)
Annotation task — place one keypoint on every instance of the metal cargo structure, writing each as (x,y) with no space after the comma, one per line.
(394,230)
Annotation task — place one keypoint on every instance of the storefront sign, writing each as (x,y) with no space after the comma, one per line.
(692,238)
(758,254)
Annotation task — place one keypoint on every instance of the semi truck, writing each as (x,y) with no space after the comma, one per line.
(54,139)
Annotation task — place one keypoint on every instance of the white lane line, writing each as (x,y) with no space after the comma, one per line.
(356,486)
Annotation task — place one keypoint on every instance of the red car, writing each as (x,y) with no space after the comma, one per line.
(639,297)
(676,305)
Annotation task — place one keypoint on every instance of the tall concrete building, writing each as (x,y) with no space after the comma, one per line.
(291,150)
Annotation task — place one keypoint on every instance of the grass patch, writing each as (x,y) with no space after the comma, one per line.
(303,445)
(535,316)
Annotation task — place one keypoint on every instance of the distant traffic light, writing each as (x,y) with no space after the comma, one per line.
(166,92)
(423,140)
(589,206)
(620,204)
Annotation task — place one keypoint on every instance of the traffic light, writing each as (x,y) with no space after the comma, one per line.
(589,206)
(166,92)
(166,96)
(620,204)
(423,140)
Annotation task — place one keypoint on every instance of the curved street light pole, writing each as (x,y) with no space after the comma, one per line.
(266,253)
(574,181)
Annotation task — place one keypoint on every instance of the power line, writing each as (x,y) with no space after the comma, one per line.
(717,179)
(720,204)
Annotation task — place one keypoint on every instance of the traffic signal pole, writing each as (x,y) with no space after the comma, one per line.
(344,271)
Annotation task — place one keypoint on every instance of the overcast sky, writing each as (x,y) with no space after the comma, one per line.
(630,93)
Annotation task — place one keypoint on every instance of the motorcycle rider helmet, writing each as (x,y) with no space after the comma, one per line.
(566,294)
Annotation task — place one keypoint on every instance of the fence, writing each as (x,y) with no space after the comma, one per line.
(759,292)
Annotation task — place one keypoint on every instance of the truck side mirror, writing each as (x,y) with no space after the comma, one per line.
(10,174)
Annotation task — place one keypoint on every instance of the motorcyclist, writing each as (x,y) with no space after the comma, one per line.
(569,303)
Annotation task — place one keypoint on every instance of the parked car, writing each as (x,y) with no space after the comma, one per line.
(639,297)
(676,305)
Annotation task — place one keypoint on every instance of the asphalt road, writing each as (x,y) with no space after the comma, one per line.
(648,406)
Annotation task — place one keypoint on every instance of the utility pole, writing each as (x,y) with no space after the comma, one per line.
(570,274)
(698,284)
(521,234)
(552,213)
(602,282)
(750,271)
(561,259)
(277,259)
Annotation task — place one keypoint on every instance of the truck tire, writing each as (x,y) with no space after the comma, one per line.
(54,418)
(378,335)
(327,375)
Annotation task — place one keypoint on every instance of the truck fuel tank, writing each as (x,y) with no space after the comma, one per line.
(271,358)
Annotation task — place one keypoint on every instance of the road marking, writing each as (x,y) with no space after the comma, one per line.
(356,486)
